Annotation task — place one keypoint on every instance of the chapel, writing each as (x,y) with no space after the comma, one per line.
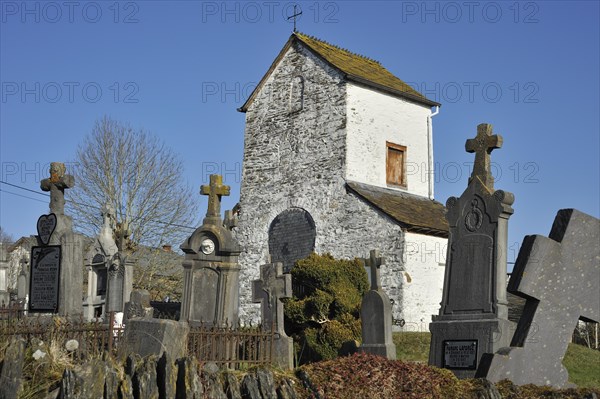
(337,159)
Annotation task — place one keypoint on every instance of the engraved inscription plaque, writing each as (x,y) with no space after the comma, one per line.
(44,279)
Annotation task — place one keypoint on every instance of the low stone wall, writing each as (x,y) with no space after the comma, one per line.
(154,377)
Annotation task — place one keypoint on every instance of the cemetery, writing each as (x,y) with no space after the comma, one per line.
(302,291)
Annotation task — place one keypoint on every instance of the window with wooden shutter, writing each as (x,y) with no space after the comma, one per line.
(396,164)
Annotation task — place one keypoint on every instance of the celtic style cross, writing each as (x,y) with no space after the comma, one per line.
(482,145)
(56,184)
(214,190)
(374,261)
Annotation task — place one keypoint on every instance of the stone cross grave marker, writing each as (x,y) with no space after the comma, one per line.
(376,314)
(482,145)
(473,317)
(55,274)
(374,261)
(214,190)
(56,184)
(272,286)
(558,276)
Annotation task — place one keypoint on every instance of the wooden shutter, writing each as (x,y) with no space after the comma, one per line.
(396,160)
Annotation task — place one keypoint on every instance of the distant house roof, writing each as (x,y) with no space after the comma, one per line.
(355,67)
(415,213)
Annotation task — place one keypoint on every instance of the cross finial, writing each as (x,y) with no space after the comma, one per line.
(482,145)
(374,261)
(56,184)
(296,14)
(214,190)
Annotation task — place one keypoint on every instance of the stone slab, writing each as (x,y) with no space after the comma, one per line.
(490,335)
(558,276)
(376,321)
(153,337)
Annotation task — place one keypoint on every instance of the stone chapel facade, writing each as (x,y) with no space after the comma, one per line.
(336,150)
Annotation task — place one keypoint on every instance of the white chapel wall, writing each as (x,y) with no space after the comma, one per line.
(373,119)
(425,259)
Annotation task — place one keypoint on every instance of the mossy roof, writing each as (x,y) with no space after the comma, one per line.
(355,67)
(414,213)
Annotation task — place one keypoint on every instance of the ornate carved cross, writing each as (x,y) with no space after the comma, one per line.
(56,184)
(214,190)
(374,261)
(269,289)
(482,145)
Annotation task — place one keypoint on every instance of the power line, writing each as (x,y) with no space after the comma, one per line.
(22,196)
(79,203)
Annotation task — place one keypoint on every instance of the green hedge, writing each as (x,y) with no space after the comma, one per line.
(327,312)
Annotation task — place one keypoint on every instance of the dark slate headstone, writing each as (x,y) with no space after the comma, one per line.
(212,382)
(250,389)
(145,383)
(84,381)
(558,276)
(376,314)
(266,383)
(268,290)
(154,337)
(12,369)
(473,317)
(292,237)
(232,386)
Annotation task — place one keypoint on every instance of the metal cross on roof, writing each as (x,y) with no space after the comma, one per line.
(296,14)
(482,145)
(214,190)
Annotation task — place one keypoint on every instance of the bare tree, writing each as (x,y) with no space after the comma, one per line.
(5,238)
(140,177)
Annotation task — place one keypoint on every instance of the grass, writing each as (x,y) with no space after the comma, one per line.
(582,363)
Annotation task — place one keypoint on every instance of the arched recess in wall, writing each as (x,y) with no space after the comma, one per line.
(292,237)
(296,94)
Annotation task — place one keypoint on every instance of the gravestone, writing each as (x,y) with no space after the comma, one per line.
(558,276)
(23,280)
(139,305)
(148,336)
(376,314)
(473,318)
(211,269)
(272,286)
(110,273)
(55,276)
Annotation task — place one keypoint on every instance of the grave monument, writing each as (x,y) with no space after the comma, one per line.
(55,276)
(376,314)
(211,269)
(272,286)
(473,318)
(559,277)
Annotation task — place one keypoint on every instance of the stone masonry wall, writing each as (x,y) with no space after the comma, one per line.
(296,159)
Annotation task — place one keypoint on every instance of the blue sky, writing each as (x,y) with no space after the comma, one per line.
(180,69)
